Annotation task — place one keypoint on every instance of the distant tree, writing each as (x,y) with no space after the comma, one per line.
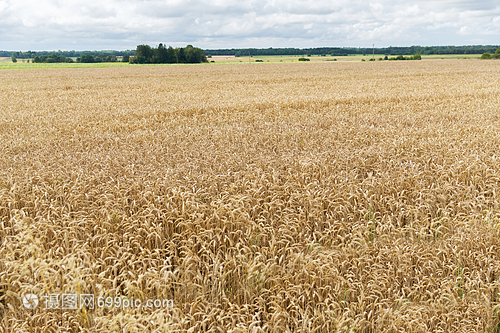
(87,58)
(386,57)
(497,54)
(126,58)
(190,54)
(194,55)
(171,56)
(486,56)
(160,54)
(14,59)
(417,56)
(181,56)
(143,54)
(111,58)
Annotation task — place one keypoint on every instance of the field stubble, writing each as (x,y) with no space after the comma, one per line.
(278,197)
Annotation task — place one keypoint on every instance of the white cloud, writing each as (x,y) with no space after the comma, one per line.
(113,24)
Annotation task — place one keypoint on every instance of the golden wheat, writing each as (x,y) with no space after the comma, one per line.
(259,198)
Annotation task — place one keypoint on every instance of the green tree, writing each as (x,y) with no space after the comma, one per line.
(126,58)
(111,58)
(14,59)
(171,57)
(159,54)
(190,54)
(143,54)
(486,56)
(181,56)
(163,55)
(87,58)
(194,55)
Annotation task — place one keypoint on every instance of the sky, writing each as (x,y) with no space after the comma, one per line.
(123,24)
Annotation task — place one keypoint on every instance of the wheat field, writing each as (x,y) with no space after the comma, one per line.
(322,197)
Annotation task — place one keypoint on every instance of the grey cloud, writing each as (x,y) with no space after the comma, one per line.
(52,24)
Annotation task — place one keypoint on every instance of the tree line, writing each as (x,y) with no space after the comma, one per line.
(145,54)
(67,54)
(190,54)
(345,51)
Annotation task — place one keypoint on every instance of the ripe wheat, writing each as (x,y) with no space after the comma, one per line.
(259,198)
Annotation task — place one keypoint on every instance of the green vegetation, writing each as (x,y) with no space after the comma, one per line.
(488,55)
(88,58)
(20,65)
(304,59)
(145,54)
(67,54)
(53,58)
(346,51)
(416,56)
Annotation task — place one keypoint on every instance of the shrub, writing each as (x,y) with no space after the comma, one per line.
(14,59)
(417,56)
(486,56)
(259,60)
(304,59)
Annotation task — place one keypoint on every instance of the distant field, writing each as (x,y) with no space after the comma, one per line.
(6,63)
(285,197)
(316,58)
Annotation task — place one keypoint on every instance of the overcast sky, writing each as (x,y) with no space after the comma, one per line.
(123,24)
